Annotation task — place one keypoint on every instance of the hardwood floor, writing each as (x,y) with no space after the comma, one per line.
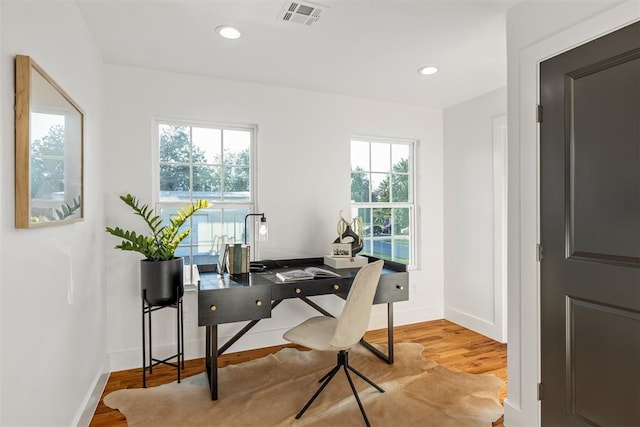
(450,345)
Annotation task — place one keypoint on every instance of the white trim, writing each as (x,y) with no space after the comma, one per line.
(91,401)
(470,321)
(526,412)
(500,199)
(194,349)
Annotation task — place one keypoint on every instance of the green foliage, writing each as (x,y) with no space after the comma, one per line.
(66,210)
(395,186)
(359,185)
(228,172)
(175,147)
(163,240)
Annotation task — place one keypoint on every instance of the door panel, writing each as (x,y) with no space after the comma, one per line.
(590,231)
(604,184)
(593,339)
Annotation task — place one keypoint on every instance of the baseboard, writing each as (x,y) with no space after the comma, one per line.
(91,401)
(194,349)
(476,324)
(131,359)
(512,415)
(406,316)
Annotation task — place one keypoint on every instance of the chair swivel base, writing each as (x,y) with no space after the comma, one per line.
(342,362)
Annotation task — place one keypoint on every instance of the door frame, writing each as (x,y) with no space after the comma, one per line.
(500,244)
(522,406)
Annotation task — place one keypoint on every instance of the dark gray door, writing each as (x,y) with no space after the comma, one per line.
(590,233)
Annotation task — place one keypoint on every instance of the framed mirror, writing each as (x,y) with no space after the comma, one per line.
(49,150)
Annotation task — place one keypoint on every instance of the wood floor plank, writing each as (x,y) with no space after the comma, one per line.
(447,343)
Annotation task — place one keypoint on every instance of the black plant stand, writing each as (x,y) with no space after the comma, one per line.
(147,309)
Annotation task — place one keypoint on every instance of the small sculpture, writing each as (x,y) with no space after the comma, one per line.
(350,232)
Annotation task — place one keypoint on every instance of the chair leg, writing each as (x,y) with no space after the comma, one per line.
(329,373)
(328,377)
(355,393)
(342,361)
(374,385)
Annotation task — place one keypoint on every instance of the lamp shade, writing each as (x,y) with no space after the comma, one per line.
(263,229)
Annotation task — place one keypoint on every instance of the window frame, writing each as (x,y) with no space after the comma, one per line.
(222,205)
(411,199)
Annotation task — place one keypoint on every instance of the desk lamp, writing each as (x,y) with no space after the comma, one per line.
(263,227)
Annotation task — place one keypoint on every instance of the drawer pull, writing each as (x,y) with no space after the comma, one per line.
(258,303)
(298,290)
(213,307)
(400,287)
(336,287)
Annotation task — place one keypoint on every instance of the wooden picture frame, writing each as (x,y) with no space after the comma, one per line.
(49,144)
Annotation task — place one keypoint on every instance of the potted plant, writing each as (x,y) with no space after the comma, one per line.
(161,272)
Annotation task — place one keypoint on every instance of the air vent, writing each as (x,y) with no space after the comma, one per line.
(299,12)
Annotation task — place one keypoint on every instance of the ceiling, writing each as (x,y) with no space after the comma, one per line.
(362,48)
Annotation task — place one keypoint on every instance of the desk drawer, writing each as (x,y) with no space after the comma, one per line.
(233,304)
(310,288)
(392,288)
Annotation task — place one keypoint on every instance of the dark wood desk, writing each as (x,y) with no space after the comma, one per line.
(251,297)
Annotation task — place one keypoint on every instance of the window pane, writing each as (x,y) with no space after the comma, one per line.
(401,250)
(382,248)
(174,143)
(174,182)
(236,147)
(202,231)
(48,129)
(400,188)
(207,145)
(359,187)
(47,178)
(382,218)
(365,214)
(234,224)
(401,221)
(380,187)
(374,221)
(236,184)
(380,157)
(206,182)
(360,156)
(399,153)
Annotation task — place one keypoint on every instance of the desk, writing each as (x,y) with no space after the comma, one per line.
(251,297)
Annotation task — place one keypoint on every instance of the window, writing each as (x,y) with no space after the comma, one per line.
(382,177)
(47,164)
(52,172)
(209,162)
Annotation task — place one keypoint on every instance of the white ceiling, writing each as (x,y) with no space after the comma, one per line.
(363,48)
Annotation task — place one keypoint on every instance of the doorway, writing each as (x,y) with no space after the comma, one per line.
(590,232)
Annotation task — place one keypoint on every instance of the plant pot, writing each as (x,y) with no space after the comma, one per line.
(162,282)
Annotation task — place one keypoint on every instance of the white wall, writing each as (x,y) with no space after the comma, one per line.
(536,31)
(52,313)
(303,182)
(471,297)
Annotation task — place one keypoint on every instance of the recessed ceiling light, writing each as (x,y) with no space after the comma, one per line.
(428,70)
(228,32)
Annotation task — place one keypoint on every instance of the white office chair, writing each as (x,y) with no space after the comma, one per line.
(330,334)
